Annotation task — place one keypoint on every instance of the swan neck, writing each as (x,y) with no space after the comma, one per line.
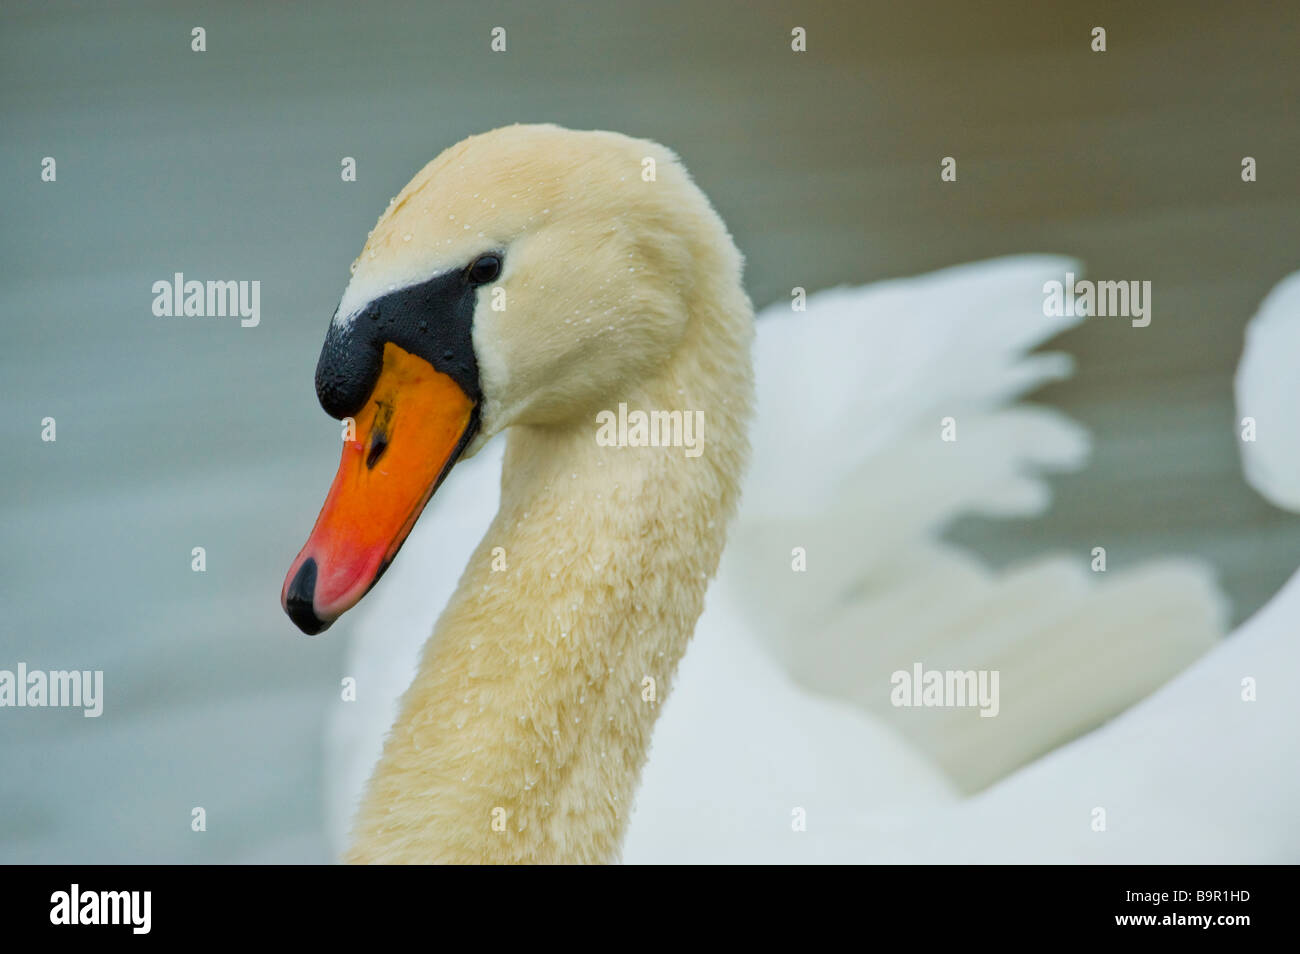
(523,735)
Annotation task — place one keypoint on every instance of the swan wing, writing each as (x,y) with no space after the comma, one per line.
(1205,770)
(856,480)
(1268,396)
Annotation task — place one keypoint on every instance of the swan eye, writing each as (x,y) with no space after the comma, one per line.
(484,269)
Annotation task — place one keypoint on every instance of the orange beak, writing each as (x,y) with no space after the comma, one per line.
(407,437)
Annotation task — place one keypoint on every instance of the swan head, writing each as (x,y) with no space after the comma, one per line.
(528,275)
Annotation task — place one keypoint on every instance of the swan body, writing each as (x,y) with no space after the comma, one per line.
(776,714)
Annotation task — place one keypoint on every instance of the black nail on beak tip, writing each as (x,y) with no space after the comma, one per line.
(298,601)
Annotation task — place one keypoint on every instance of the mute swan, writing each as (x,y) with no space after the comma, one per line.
(528,279)
(523,733)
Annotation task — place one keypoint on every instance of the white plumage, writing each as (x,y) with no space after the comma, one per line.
(782,710)
(1268,392)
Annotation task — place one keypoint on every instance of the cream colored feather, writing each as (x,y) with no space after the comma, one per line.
(524,731)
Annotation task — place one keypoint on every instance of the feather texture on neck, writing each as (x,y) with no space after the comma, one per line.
(523,734)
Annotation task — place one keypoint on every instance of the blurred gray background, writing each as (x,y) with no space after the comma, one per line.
(176,433)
